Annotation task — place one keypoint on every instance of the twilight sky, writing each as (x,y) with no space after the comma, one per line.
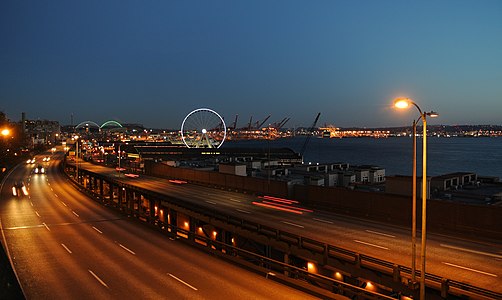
(152,62)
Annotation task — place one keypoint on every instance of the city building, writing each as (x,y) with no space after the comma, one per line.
(40,132)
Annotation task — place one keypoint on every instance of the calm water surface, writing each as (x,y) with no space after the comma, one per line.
(445,155)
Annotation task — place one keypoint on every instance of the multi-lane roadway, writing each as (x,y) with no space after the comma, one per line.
(63,245)
(475,262)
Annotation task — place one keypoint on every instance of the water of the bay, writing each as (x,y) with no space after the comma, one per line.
(482,156)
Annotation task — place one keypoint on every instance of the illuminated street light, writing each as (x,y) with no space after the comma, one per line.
(5,132)
(405,103)
(76,156)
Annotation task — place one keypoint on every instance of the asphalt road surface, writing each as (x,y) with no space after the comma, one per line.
(65,246)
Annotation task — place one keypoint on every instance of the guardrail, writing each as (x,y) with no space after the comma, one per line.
(337,286)
(445,285)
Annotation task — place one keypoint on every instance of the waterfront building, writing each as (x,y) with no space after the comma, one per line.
(453,181)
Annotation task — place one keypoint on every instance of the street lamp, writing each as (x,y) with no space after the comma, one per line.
(76,156)
(6,132)
(119,158)
(405,103)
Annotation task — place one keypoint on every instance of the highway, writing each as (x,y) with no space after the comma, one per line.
(478,263)
(63,245)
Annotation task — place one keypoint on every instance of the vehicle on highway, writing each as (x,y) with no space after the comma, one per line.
(19,189)
(39,170)
(30,161)
(47,158)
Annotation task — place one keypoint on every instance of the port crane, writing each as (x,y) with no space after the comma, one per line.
(259,125)
(279,125)
(309,135)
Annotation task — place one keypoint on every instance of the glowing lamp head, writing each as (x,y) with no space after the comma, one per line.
(204,131)
(5,132)
(402,103)
(433,114)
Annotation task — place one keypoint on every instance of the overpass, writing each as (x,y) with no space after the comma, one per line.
(275,234)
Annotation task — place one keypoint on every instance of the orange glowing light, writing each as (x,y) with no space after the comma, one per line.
(186,224)
(287,206)
(287,201)
(278,208)
(177,181)
(5,132)
(338,276)
(311,267)
(402,102)
(370,286)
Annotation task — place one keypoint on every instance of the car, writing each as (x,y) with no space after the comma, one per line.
(19,189)
(47,158)
(39,170)
(30,161)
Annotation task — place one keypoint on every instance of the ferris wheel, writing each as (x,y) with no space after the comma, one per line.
(203,128)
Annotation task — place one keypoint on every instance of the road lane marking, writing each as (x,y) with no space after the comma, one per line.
(212,202)
(379,233)
(369,244)
(127,249)
(46,226)
(293,224)
(56,195)
(97,230)
(31,203)
(37,213)
(52,190)
(66,248)
(190,286)
(64,204)
(469,269)
(235,200)
(75,213)
(97,278)
(324,221)
(472,251)
(242,211)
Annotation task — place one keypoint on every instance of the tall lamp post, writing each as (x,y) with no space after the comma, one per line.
(405,103)
(119,159)
(76,157)
(5,133)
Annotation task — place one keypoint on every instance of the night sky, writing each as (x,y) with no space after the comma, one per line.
(154,61)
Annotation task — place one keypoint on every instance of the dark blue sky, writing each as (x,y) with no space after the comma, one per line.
(153,62)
